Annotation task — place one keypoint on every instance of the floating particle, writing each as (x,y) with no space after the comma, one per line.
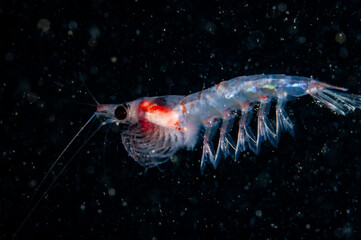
(114,59)
(302,39)
(111,192)
(282,7)
(94,32)
(259,213)
(92,42)
(32,97)
(72,25)
(44,25)
(9,57)
(343,52)
(340,37)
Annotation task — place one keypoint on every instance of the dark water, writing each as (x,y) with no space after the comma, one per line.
(307,188)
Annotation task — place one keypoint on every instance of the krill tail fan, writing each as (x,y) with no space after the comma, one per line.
(334,97)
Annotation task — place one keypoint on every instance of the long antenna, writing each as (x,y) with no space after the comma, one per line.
(81,76)
(62,170)
(60,155)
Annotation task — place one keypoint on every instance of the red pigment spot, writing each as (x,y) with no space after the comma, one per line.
(153,108)
(156,108)
(100,107)
(218,85)
(200,94)
(184,108)
(227,112)
(151,115)
(263,97)
(144,105)
(145,125)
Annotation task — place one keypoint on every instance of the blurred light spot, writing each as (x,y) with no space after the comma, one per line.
(44,25)
(82,207)
(282,7)
(340,37)
(94,32)
(302,39)
(72,25)
(113,59)
(92,42)
(111,192)
(33,183)
(9,57)
(52,118)
(343,52)
(174,159)
(32,97)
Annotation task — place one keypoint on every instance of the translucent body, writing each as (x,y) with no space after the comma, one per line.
(155,128)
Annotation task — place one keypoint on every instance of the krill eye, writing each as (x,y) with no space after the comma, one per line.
(120,112)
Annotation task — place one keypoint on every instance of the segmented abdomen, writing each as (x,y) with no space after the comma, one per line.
(216,108)
(241,93)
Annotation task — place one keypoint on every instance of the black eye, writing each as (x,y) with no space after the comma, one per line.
(120,112)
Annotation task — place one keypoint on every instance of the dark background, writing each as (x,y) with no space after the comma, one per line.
(307,188)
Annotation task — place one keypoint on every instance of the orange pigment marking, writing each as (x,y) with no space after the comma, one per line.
(100,107)
(156,108)
(263,97)
(159,115)
(218,85)
(184,109)
(200,94)
(147,106)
